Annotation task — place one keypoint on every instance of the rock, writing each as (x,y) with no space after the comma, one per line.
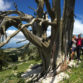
(31,66)
(36,66)
(56,79)
(31,72)
(72,63)
(79,61)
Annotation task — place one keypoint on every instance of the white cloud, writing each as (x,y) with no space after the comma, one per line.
(78,27)
(4,5)
(49,31)
(19,37)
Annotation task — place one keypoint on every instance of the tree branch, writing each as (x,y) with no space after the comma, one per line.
(16,20)
(5,13)
(40,5)
(47,22)
(16,6)
(31,37)
(8,38)
(51,13)
(41,22)
(32,9)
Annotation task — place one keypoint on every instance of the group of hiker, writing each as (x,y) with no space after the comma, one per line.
(76,47)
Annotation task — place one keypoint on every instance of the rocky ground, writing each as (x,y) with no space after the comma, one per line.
(50,79)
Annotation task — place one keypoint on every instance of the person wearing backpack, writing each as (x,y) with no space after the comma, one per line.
(82,46)
(79,44)
(73,47)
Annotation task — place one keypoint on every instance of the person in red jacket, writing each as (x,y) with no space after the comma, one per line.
(82,46)
(79,43)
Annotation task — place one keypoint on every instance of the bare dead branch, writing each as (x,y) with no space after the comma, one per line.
(16,20)
(13,21)
(8,38)
(51,13)
(5,13)
(47,22)
(16,6)
(40,5)
(25,17)
(41,22)
(21,41)
(31,37)
(32,9)
(34,39)
(26,25)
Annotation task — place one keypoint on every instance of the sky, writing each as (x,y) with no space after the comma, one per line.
(23,6)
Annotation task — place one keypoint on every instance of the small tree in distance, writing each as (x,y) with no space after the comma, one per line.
(53,49)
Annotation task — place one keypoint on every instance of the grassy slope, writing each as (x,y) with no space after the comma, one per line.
(76,74)
(11,75)
(8,74)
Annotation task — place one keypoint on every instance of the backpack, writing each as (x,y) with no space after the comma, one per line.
(70,44)
(79,42)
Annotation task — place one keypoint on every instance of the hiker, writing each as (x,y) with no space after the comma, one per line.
(79,43)
(82,46)
(73,47)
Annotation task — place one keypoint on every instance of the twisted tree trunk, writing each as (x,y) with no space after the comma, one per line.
(52,50)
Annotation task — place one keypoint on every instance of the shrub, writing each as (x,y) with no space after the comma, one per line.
(3,59)
(19,74)
(14,58)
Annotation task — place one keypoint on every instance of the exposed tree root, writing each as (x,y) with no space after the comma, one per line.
(36,74)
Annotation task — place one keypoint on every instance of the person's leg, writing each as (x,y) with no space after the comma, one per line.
(77,52)
(72,53)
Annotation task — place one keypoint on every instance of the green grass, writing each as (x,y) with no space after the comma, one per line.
(8,76)
(76,75)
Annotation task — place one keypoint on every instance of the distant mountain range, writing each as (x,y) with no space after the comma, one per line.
(14,45)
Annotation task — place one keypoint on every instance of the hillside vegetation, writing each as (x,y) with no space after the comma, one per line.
(20,60)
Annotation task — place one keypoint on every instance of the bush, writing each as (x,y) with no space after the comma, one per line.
(19,74)
(14,58)
(3,59)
